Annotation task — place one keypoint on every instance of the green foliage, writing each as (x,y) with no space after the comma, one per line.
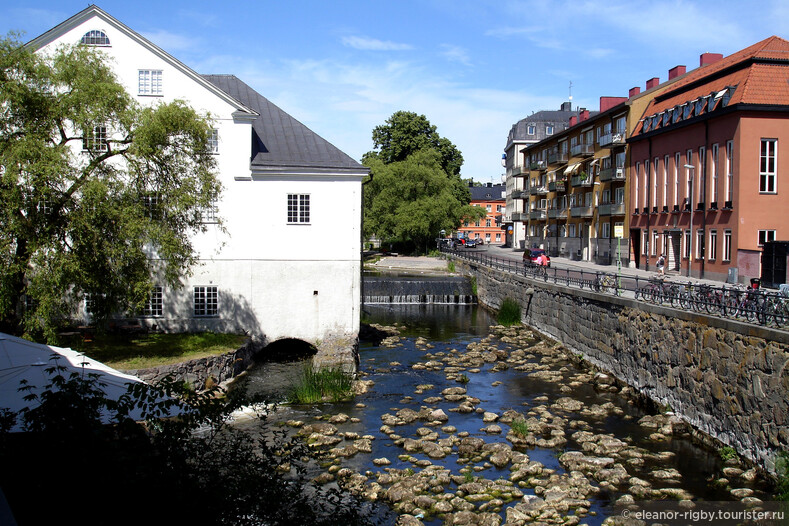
(80,213)
(329,384)
(451,266)
(194,469)
(509,312)
(463,379)
(474,285)
(520,427)
(406,133)
(727,453)
(468,476)
(782,471)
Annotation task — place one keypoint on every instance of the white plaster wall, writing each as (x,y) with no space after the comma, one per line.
(275,280)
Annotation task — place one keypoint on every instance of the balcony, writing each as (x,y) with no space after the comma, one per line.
(612,174)
(581,180)
(557,186)
(538,165)
(518,194)
(582,150)
(538,214)
(582,211)
(557,213)
(611,139)
(517,170)
(539,190)
(557,157)
(519,216)
(611,209)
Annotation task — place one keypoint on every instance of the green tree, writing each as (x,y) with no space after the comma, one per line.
(410,201)
(406,133)
(94,188)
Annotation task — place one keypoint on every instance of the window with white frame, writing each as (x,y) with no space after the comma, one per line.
(154,305)
(487,239)
(95,37)
(699,243)
(299,209)
(702,176)
(206,301)
(765,236)
(488,208)
(655,242)
(729,170)
(689,177)
(619,195)
(487,223)
(95,139)
(646,183)
(677,157)
(767,166)
(213,141)
(531,129)
(645,243)
(727,245)
(571,230)
(686,248)
(665,181)
(635,185)
(714,174)
(606,230)
(209,213)
(655,181)
(149,82)
(712,250)
(498,238)
(549,129)
(606,197)
(152,205)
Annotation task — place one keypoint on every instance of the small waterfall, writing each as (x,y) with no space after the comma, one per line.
(427,290)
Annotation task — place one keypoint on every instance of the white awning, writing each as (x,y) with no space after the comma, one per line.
(571,169)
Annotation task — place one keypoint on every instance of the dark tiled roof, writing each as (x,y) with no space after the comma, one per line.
(487,193)
(278,140)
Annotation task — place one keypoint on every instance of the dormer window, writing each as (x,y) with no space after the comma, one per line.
(700,103)
(688,110)
(95,37)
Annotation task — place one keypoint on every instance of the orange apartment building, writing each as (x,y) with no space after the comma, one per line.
(491,198)
(706,166)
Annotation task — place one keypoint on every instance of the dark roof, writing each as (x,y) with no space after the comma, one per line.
(280,142)
(487,193)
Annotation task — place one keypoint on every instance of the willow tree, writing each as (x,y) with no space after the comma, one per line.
(98,193)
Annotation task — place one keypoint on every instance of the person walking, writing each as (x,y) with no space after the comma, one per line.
(661,265)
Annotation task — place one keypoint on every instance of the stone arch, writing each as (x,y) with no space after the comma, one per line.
(286,349)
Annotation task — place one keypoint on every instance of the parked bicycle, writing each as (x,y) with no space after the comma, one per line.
(709,299)
(747,303)
(606,283)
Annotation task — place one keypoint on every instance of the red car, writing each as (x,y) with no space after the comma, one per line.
(531,255)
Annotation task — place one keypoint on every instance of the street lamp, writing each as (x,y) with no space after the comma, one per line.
(692,169)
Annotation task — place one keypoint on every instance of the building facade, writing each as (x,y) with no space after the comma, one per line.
(280,269)
(706,170)
(488,230)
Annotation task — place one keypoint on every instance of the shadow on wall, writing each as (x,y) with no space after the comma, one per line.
(286,350)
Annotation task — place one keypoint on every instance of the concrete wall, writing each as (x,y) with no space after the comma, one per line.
(728,379)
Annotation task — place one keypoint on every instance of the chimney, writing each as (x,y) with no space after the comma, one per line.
(706,59)
(567,106)
(676,71)
(583,115)
(651,83)
(633,92)
(606,103)
(573,120)
(489,185)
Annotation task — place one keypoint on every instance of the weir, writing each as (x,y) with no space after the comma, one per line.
(397,289)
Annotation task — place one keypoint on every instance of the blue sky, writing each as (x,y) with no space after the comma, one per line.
(473,67)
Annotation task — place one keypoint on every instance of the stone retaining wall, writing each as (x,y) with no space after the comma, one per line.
(727,379)
(203,372)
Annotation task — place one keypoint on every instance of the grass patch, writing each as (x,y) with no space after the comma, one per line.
(727,453)
(451,266)
(509,312)
(474,285)
(463,379)
(154,350)
(520,428)
(332,385)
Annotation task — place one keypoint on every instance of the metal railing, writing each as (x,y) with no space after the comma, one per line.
(757,306)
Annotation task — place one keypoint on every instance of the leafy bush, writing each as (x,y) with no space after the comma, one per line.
(194,469)
(727,453)
(782,471)
(509,312)
(451,266)
(519,427)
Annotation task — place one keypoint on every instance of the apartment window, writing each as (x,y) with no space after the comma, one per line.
(714,172)
(645,243)
(686,248)
(488,208)
(498,208)
(619,195)
(729,170)
(765,236)
(531,129)
(655,242)
(713,248)
(549,129)
(498,238)
(213,142)
(699,243)
(476,223)
(95,139)
(152,205)
(606,230)
(95,37)
(727,245)
(646,182)
(487,239)
(677,158)
(655,172)
(154,306)
(149,82)
(487,222)
(571,230)
(665,181)
(209,213)
(299,209)
(635,184)
(689,175)
(606,197)
(767,166)
(702,175)
(206,301)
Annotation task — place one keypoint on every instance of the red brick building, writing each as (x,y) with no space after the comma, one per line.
(708,162)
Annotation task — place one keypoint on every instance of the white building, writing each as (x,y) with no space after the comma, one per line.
(289,265)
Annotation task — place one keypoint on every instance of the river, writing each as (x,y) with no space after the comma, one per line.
(590,443)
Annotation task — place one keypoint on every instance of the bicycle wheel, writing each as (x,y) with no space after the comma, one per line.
(684,299)
(781,313)
(730,306)
(673,295)
(750,308)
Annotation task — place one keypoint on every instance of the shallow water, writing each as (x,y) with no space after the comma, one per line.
(452,328)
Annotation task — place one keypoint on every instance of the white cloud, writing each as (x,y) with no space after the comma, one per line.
(373,44)
(455,54)
(171,42)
